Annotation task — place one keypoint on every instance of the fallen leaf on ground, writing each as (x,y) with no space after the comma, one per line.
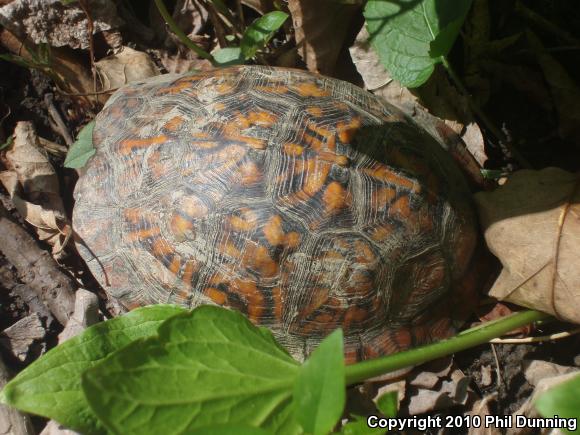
(34,188)
(532,224)
(321,28)
(481,409)
(125,67)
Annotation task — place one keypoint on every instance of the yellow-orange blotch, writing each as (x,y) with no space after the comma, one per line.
(334,197)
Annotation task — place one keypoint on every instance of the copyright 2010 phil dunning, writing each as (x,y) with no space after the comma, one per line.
(471,421)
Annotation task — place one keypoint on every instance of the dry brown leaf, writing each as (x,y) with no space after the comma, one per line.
(321,27)
(33,186)
(532,224)
(53,22)
(481,409)
(125,67)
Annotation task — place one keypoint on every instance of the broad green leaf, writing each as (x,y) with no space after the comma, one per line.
(412,36)
(319,393)
(51,386)
(562,400)
(260,32)
(209,367)
(82,149)
(228,56)
(388,404)
(230,429)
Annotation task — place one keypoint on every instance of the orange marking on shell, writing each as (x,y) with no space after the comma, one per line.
(191,266)
(224,88)
(246,222)
(354,315)
(254,298)
(258,258)
(401,207)
(384,173)
(310,90)
(315,143)
(175,265)
(142,234)
(277,304)
(127,146)
(292,240)
(216,295)
(206,144)
(316,177)
(230,250)
(194,207)
(160,248)
(382,232)
(273,231)
(331,157)
(334,197)
(133,215)
(347,130)
(174,123)
(250,172)
(293,149)
(262,118)
(382,197)
(181,228)
(363,252)
(314,111)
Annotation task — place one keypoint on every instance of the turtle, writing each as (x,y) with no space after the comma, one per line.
(304,202)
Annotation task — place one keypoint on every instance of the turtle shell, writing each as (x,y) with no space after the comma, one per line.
(302,201)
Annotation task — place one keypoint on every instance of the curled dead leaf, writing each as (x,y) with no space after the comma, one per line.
(33,187)
(124,67)
(532,224)
(321,27)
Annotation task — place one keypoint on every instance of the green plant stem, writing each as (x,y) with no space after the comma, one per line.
(470,338)
(181,35)
(483,117)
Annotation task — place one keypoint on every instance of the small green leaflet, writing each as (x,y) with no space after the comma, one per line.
(7,143)
(208,367)
(412,36)
(228,56)
(319,391)
(51,386)
(80,151)
(388,404)
(562,400)
(260,32)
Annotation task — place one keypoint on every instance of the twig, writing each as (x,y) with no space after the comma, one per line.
(497,367)
(539,339)
(561,221)
(181,35)
(483,117)
(36,268)
(55,115)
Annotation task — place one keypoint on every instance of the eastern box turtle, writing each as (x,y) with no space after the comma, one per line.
(302,201)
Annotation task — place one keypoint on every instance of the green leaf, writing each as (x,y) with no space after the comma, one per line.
(8,142)
(228,56)
(388,404)
(360,427)
(51,386)
(230,429)
(80,151)
(319,393)
(211,366)
(562,400)
(260,32)
(412,36)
